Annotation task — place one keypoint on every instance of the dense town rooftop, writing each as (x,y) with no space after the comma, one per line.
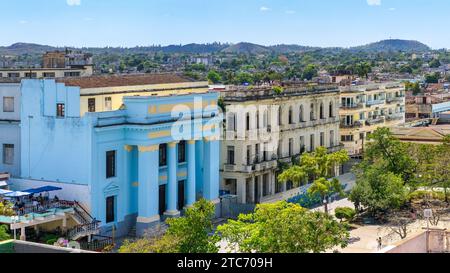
(245,93)
(124,80)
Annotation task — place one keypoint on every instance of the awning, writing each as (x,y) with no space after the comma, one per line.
(17,194)
(2,192)
(43,189)
(3,183)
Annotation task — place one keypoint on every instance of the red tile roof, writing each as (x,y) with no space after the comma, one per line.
(123,80)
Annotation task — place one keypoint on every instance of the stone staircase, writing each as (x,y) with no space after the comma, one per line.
(87,224)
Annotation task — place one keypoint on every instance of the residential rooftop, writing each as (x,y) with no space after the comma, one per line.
(124,80)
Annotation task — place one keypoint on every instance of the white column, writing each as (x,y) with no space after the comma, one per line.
(23,236)
(241,190)
(252,190)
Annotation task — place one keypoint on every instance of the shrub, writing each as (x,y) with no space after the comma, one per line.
(278,90)
(6,210)
(345,213)
(421,195)
(4,233)
(51,241)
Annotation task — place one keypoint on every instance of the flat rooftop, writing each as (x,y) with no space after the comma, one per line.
(123,80)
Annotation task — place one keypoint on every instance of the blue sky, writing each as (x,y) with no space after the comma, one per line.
(146,22)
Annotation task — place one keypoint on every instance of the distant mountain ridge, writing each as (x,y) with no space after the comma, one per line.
(391,45)
(394,45)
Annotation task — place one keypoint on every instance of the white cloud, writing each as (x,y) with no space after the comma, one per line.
(73,2)
(23,22)
(264,8)
(392,9)
(374,2)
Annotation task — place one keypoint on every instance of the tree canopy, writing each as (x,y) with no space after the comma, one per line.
(284,228)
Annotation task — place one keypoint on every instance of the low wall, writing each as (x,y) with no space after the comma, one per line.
(433,241)
(12,246)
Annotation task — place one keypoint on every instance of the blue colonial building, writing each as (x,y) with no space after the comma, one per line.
(134,166)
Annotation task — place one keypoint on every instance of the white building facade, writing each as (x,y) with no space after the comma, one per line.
(364,108)
(265,129)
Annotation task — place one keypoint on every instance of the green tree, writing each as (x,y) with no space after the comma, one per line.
(432,78)
(214,77)
(325,188)
(435,63)
(437,169)
(384,149)
(309,72)
(188,234)
(4,234)
(363,69)
(317,166)
(284,228)
(378,190)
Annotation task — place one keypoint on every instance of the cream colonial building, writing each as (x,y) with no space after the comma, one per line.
(105,93)
(264,127)
(364,108)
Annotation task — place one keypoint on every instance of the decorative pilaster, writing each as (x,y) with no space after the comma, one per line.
(191,173)
(172,181)
(148,190)
(211,170)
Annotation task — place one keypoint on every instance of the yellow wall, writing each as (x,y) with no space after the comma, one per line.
(128,91)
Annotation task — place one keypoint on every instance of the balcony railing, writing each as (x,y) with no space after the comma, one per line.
(395,99)
(352,106)
(374,121)
(396,117)
(356,124)
(375,102)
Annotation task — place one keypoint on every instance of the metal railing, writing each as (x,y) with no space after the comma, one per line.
(42,208)
(97,244)
(83,230)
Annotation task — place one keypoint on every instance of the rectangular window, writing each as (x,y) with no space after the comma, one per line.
(13,75)
(331,138)
(291,147)
(49,74)
(266,152)
(347,138)
(8,154)
(72,74)
(91,105)
(110,209)
(163,155)
(231,122)
(182,152)
(249,148)
(60,110)
(230,155)
(280,149)
(8,104)
(311,143)
(302,144)
(322,139)
(31,75)
(110,164)
(108,104)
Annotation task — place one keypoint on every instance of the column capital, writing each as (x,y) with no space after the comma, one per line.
(191,142)
(172,144)
(146,149)
(128,148)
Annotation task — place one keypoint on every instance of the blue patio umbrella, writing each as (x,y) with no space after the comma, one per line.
(43,189)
